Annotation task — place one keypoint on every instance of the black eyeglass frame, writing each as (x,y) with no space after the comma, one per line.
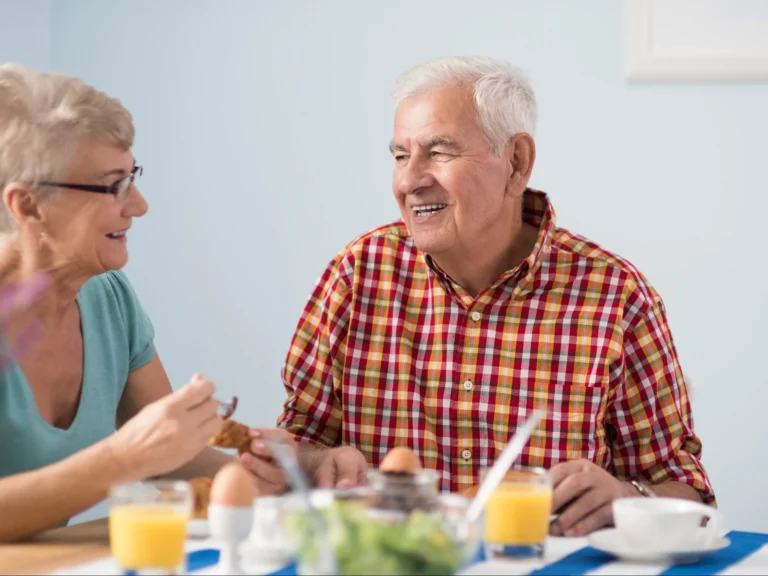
(117,189)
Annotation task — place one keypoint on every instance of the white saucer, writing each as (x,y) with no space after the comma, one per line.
(197,528)
(611,542)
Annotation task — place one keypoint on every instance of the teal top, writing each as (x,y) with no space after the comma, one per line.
(117,339)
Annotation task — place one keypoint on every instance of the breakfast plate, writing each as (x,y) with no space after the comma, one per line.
(197,528)
(611,542)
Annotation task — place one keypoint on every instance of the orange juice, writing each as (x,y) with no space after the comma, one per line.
(518,514)
(147,536)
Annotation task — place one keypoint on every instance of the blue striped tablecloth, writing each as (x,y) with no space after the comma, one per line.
(746,554)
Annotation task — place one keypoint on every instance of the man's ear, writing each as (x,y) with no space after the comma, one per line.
(521,155)
(22,203)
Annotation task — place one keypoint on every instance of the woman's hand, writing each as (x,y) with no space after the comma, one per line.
(169,432)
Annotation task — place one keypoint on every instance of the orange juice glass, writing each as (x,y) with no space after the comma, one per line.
(517,515)
(148,525)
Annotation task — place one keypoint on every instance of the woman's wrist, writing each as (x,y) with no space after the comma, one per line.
(118,464)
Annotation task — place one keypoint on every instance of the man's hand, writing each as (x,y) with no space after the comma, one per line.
(269,477)
(583,494)
(342,467)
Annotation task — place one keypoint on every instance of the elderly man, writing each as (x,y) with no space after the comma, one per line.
(445,330)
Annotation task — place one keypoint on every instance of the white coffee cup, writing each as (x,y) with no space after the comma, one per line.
(665,524)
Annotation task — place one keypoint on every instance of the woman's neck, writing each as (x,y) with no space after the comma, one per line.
(20,261)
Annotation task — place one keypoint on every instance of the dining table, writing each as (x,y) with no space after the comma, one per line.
(84,549)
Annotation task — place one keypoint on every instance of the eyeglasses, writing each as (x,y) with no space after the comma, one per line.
(119,189)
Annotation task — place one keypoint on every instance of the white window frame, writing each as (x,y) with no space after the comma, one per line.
(643,65)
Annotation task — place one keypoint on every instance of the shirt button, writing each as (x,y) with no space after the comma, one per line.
(475,316)
(466,454)
(467,385)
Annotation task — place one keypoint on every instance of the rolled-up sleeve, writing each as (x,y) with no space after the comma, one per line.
(314,367)
(650,411)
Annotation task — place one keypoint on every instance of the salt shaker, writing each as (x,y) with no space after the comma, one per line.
(229,527)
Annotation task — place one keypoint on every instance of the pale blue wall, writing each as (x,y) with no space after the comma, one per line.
(263,127)
(25,32)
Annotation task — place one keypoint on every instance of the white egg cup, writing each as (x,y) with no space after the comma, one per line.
(229,526)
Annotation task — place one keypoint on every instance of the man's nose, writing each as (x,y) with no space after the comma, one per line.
(414,177)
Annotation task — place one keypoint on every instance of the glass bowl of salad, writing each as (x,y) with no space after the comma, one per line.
(364,531)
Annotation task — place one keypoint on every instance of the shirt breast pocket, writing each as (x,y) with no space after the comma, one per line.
(573,426)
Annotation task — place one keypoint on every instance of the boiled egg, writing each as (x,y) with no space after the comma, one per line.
(401,460)
(233,487)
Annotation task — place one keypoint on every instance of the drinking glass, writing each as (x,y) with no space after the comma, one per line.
(517,514)
(148,525)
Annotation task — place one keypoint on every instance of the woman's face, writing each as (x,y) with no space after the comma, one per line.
(88,230)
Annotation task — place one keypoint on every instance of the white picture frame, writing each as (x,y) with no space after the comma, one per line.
(705,47)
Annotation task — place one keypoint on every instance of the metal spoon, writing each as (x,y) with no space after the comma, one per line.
(499,469)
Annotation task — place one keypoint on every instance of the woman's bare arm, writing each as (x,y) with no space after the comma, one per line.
(162,437)
(35,501)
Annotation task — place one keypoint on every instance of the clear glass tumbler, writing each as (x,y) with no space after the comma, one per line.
(517,515)
(148,525)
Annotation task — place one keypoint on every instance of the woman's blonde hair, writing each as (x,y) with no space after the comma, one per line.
(43,118)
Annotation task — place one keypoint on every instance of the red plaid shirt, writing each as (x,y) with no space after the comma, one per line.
(390,351)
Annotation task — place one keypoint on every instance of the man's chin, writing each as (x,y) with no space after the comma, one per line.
(430,246)
(430,240)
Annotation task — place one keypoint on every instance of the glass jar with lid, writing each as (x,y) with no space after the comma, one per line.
(403,492)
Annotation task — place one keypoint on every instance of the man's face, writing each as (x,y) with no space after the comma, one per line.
(449,185)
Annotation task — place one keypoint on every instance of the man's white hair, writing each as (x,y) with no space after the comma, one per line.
(503,97)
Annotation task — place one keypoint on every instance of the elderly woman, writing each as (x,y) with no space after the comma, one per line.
(88,404)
